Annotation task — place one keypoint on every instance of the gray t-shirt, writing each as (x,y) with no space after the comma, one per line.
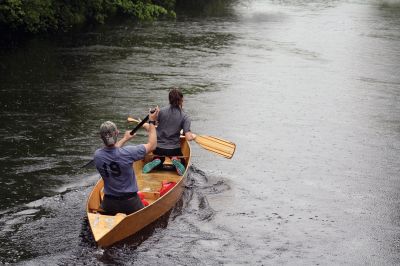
(170,122)
(115,167)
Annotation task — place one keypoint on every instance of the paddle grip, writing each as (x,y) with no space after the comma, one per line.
(141,123)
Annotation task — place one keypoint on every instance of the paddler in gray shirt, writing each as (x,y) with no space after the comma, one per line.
(114,163)
(171,120)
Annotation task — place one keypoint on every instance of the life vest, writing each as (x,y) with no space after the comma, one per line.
(166,186)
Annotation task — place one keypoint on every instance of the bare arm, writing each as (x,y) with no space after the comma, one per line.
(190,136)
(151,143)
(146,125)
(151,129)
(127,137)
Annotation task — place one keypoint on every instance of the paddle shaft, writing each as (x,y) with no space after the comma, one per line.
(140,124)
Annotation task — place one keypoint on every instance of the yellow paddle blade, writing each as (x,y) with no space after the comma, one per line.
(131,119)
(216,145)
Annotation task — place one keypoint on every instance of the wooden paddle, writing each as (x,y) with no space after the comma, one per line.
(216,145)
(219,146)
(140,124)
(131,119)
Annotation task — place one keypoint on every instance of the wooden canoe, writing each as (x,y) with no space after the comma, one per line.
(110,229)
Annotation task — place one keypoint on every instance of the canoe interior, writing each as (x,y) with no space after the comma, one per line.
(109,229)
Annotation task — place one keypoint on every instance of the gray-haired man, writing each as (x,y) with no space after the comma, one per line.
(114,163)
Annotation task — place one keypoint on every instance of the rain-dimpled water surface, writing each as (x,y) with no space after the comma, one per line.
(308,90)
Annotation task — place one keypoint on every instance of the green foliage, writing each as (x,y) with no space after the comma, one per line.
(147,11)
(142,10)
(50,15)
(11,12)
(30,15)
(39,14)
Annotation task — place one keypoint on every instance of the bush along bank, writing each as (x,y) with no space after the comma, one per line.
(40,16)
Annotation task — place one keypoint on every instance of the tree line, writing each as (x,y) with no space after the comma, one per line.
(38,16)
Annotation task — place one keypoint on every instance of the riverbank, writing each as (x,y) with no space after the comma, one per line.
(32,17)
(20,19)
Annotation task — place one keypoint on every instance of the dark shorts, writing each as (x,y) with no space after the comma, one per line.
(127,204)
(167,153)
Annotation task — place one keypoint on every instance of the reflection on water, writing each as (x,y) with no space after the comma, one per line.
(308,90)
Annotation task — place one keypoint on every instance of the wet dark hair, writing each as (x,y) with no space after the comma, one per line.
(175,97)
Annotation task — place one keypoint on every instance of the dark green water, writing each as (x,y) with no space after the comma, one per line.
(308,90)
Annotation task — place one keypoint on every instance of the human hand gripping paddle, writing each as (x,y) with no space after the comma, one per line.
(133,131)
(216,145)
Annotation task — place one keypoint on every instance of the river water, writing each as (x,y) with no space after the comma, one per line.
(308,90)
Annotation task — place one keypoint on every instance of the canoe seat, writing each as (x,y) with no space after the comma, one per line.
(153,186)
(103,212)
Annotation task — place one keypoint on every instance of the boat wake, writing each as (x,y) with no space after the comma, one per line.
(55,229)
